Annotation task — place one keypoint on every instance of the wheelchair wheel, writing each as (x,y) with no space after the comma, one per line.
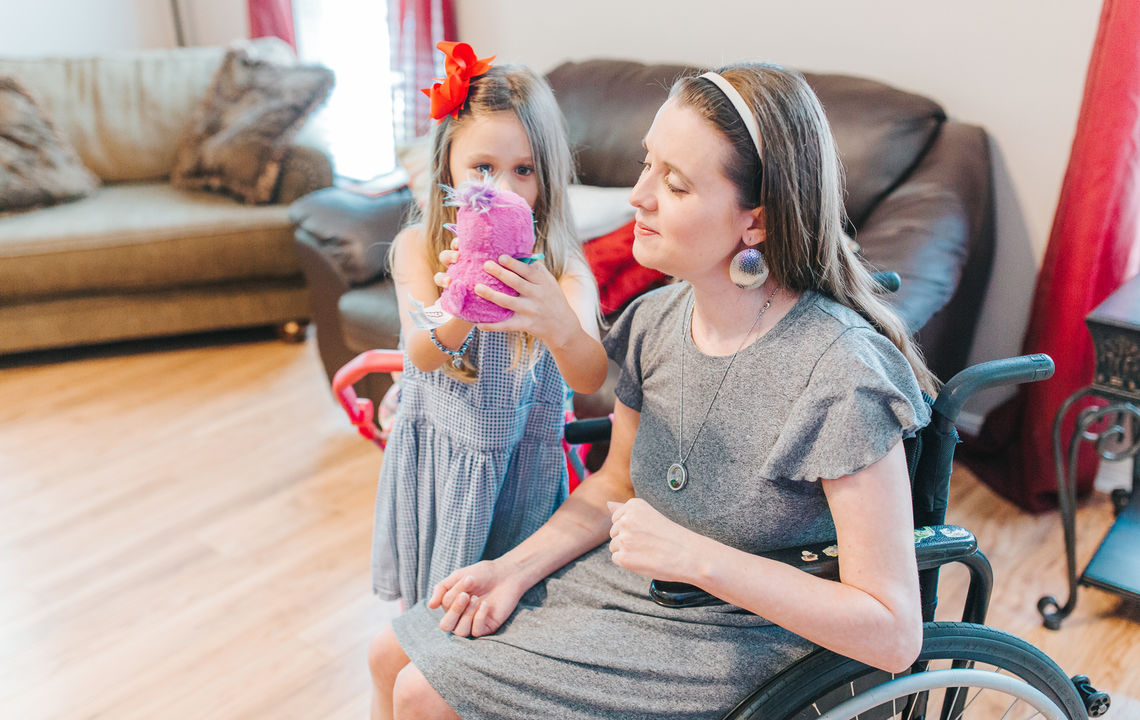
(965,671)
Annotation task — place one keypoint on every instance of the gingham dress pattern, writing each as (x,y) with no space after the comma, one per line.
(470,469)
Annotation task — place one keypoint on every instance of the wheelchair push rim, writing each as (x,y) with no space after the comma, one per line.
(898,695)
(823,680)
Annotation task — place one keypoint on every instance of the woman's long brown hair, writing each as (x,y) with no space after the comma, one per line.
(799,183)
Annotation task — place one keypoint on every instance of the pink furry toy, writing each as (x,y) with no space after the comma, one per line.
(490,222)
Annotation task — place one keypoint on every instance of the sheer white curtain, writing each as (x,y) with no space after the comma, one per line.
(351,38)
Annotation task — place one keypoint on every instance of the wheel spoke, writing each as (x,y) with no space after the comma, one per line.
(970,700)
(913,700)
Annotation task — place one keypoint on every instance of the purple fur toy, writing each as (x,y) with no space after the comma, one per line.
(490,222)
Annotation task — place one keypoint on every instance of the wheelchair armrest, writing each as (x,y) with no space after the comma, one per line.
(938,545)
(934,547)
(588,431)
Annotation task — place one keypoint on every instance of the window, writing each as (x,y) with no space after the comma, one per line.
(350,37)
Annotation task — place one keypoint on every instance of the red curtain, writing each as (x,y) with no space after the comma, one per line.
(272,18)
(415,26)
(1093,248)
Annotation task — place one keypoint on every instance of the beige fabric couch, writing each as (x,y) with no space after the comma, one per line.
(139,258)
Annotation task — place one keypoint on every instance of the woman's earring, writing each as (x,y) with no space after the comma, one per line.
(748,269)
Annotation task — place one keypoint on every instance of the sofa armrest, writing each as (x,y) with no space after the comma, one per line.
(342,240)
(305,170)
(353,231)
(935,229)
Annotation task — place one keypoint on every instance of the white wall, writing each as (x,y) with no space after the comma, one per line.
(84,27)
(1015,67)
(81,27)
(213,22)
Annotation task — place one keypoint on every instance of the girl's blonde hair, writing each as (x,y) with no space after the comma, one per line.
(519,90)
(799,183)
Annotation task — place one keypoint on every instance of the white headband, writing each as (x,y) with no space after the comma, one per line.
(742,108)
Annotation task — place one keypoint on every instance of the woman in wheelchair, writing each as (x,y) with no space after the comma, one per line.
(762,404)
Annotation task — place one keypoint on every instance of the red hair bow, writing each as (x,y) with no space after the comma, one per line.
(449,94)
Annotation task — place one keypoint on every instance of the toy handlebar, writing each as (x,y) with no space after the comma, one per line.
(360,410)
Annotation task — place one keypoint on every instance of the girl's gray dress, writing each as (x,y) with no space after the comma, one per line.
(819,395)
(470,469)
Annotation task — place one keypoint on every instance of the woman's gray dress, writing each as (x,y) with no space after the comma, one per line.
(820,395)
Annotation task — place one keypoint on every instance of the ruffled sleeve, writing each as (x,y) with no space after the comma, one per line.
(623,346)
(860,400)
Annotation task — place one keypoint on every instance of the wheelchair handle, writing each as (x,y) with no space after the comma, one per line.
(1007,371)
(360,409)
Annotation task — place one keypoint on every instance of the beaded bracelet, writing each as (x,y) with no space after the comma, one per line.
(456,355)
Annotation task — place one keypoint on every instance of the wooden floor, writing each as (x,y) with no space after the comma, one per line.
(184,533)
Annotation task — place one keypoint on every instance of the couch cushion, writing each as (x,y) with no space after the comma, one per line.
(139,237)
(125,112)
(609,105)
(242,129)
(620,278)
(39,167)
(881,133)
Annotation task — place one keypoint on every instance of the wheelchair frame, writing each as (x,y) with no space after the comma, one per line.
(827,685)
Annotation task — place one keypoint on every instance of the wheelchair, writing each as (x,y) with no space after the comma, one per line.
(965,669)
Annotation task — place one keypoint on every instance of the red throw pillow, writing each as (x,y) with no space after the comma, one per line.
(620,278)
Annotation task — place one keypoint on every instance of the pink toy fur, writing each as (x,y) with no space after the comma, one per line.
(490,222)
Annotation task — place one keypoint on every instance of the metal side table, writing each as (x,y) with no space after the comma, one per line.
(1115,329)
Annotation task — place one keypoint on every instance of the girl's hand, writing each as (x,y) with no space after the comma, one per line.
(646,542)
(541,307)
(448,258)
(477,599)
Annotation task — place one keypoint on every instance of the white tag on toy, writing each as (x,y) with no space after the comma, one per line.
(428,318)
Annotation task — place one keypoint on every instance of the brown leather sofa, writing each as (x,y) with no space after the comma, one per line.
(919,198)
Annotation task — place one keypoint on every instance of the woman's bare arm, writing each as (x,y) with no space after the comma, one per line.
(871,614)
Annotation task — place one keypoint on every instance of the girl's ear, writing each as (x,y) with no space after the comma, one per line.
(756,231)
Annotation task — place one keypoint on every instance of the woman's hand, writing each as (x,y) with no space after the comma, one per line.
(646,542)
(541,307)
(477,599)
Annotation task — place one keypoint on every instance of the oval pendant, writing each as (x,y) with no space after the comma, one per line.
(677,476)
(457,362)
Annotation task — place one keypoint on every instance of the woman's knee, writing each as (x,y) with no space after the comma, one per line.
(414,697)
(386,658)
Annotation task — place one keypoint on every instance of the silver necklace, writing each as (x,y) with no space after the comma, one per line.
(677,477)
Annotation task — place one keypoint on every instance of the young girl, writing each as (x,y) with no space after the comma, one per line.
(474,462)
